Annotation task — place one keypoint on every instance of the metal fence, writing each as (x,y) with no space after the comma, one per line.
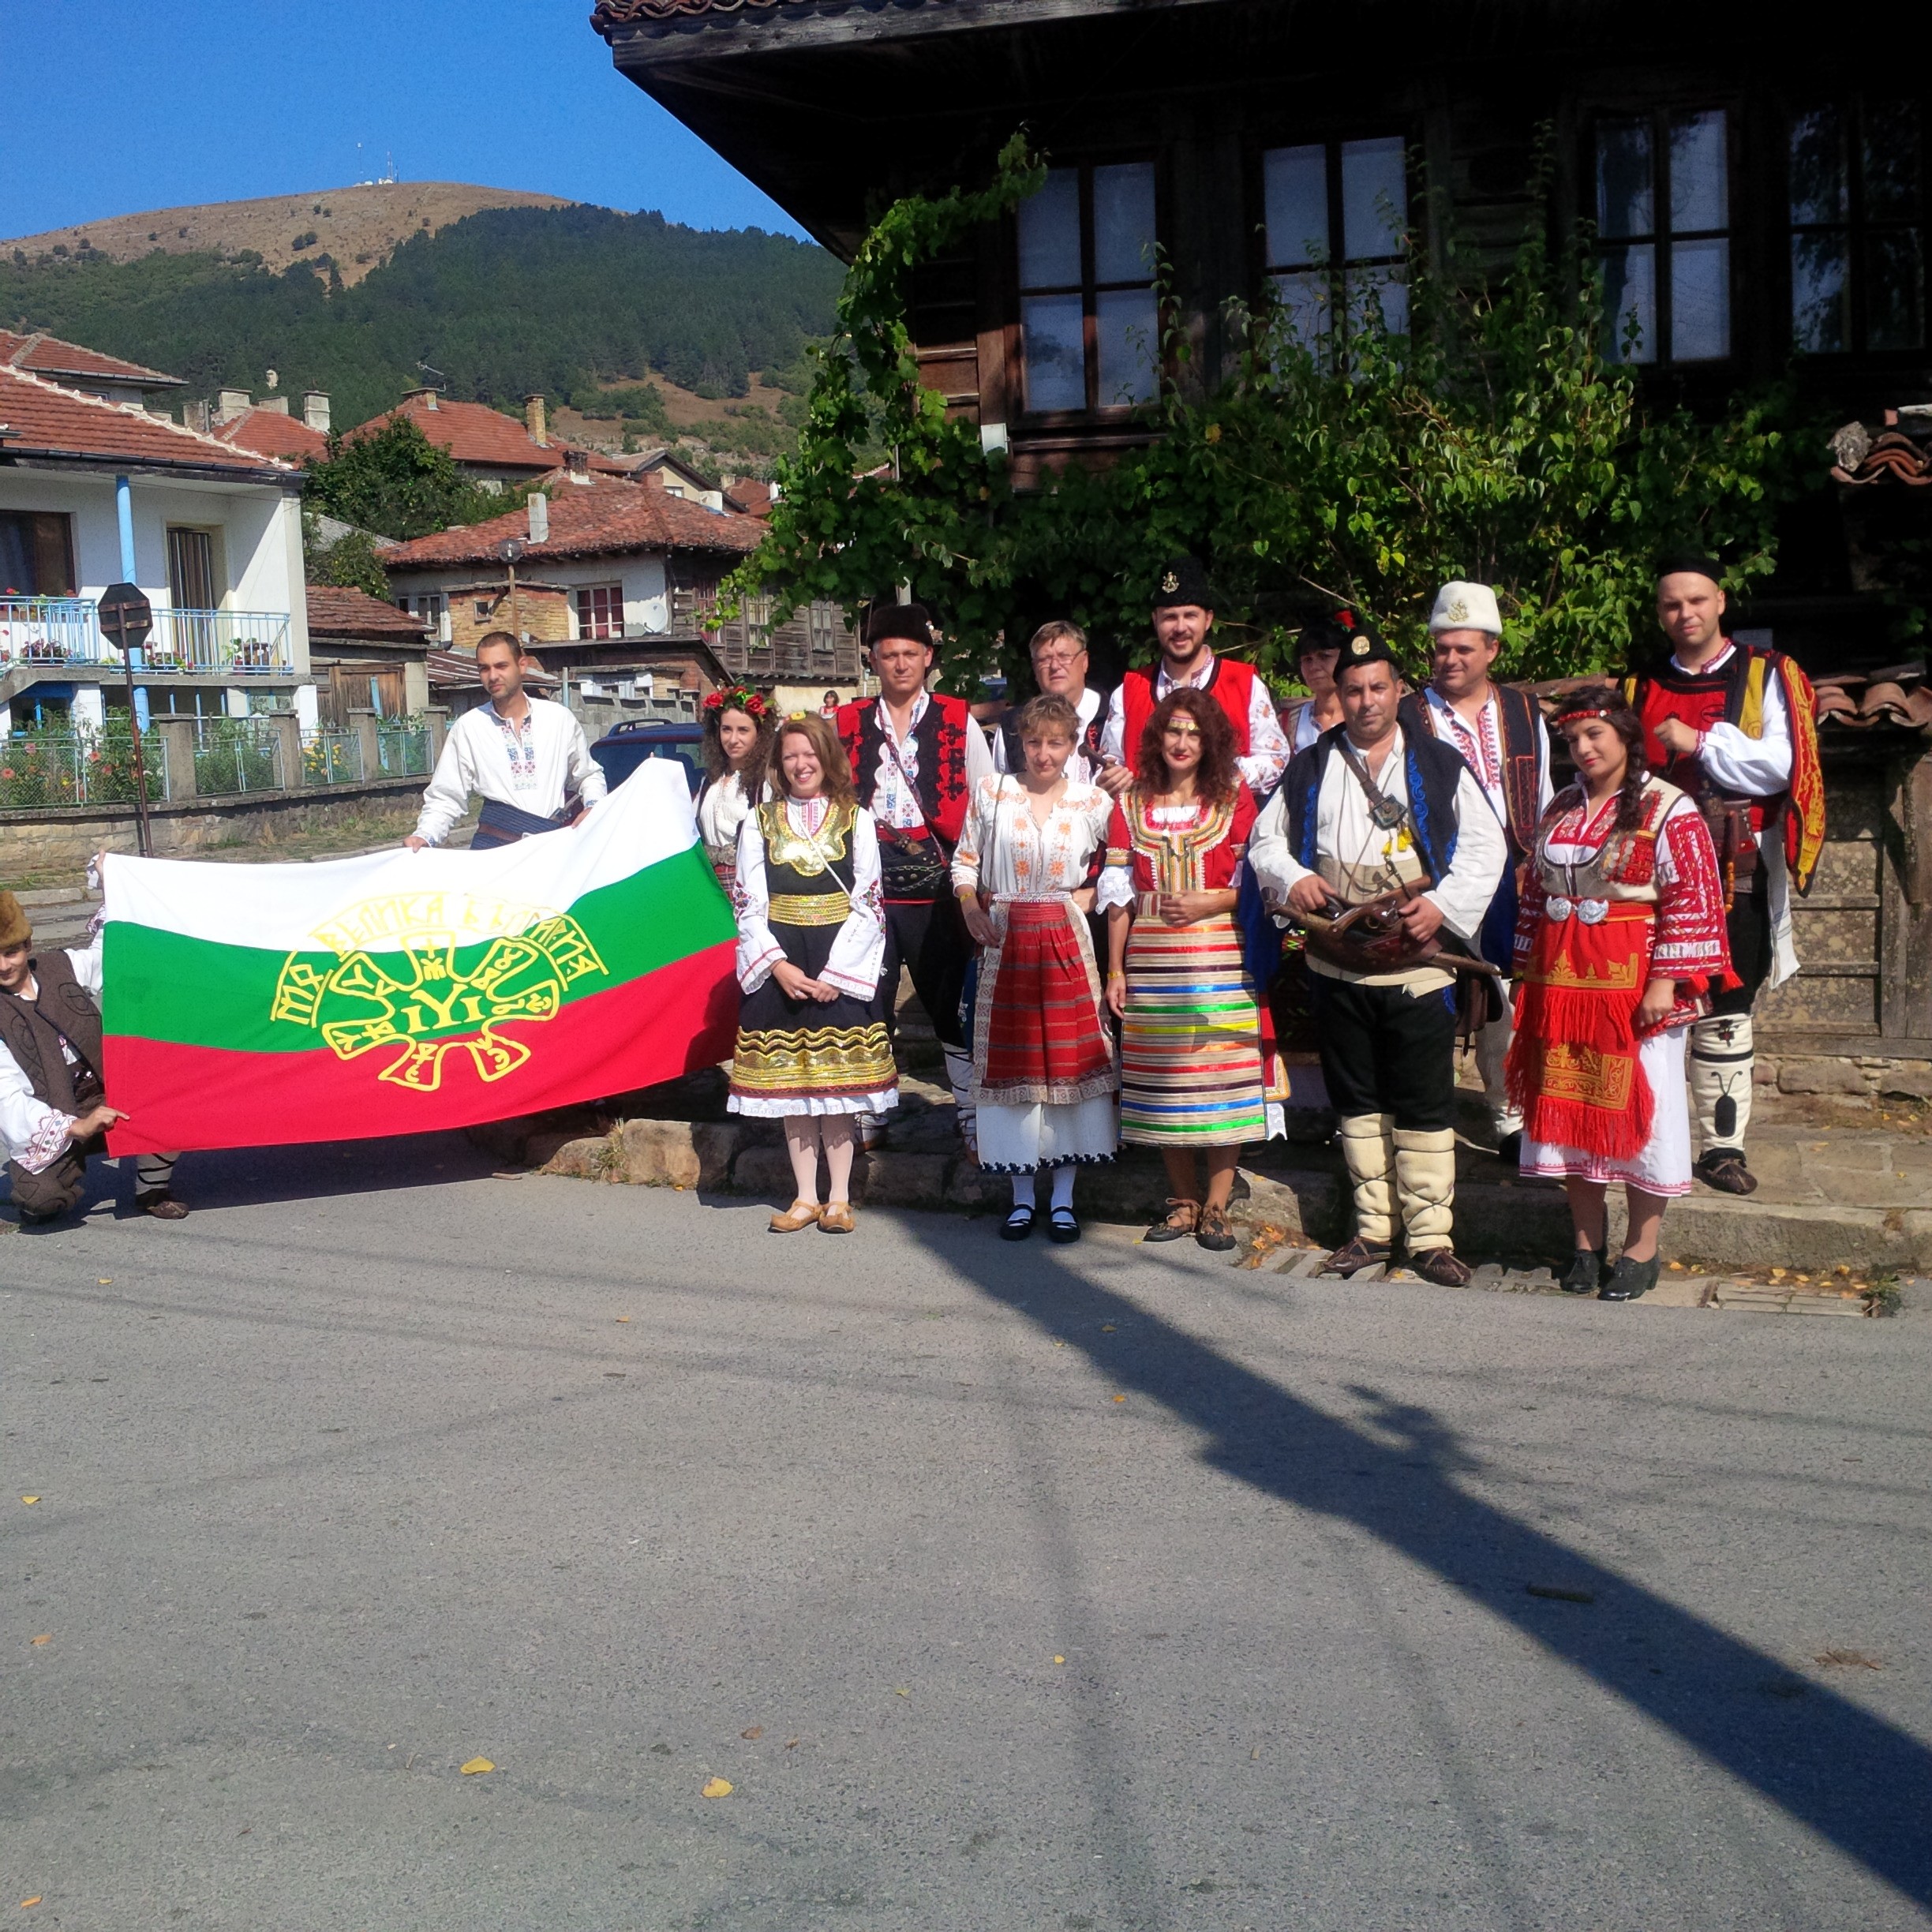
(49,631)
(404,754)
(52,768)
(67,631)
(236,754)
(331,757)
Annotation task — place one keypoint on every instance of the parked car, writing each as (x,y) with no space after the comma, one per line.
(625,746)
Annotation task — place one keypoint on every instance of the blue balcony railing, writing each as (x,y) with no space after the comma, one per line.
(66,630)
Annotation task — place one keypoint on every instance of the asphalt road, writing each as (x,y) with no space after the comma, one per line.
(1008,1587)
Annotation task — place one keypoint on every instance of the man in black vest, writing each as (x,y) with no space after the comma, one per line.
(1504,740)
(1371,812)
(54,1111)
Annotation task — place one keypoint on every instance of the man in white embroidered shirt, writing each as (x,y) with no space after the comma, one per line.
(1500,733)
(525,756)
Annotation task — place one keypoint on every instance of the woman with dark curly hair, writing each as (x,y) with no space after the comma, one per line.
(737,750)
(1197,1049)
(1619,940)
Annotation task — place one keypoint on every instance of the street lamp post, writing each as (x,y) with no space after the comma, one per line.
(128,617)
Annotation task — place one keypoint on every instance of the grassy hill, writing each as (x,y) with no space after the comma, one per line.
(569,301)
(355,228)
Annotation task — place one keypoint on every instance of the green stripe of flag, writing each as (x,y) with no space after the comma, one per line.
(165,986)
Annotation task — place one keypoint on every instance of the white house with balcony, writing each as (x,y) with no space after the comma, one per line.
(94,491)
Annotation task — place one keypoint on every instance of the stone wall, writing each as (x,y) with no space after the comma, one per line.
(1851,1077)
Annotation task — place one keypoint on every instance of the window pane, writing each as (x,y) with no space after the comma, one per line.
(1123,203)
(1050,256)
(1700,172)
(1294,186)
(1700,301)
(1305,298)
(1821,288)
(1895,300)
(1624,203)
(1128,328)
(1891,159)
(1818,167)
(1365,289)
(1375,198)
(1629,289)
(1056,355)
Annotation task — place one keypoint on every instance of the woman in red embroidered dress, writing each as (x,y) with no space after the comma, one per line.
(1619,940)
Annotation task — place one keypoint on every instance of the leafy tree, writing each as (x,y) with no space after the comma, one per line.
(398,483)
(1493,440)
(353,560)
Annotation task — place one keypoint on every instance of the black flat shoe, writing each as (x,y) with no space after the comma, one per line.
(1723,1169)
(1063,1226)
(1629,1279)
(1586,1271)
(1509,1150)
(1019,1224)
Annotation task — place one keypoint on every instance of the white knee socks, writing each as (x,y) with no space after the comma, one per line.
(1722,1060)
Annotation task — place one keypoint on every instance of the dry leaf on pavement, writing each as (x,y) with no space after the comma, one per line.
(756,1731)
(476,1765)
(717,1788)
(41,1640)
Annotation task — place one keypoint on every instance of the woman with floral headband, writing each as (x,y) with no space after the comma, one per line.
(1619,941)
(737,750)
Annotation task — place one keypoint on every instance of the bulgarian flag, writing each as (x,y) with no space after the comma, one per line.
(245,1004)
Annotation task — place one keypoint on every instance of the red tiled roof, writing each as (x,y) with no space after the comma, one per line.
(42,355)
(753,498)
(471,432)
(592,519)
(340,610)
(274,433)
(1898,695)
(41,418)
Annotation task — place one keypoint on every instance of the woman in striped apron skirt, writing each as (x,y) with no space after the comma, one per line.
(812,1048)
(1198,1069)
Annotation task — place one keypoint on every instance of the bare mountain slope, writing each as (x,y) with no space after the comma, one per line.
(356,227)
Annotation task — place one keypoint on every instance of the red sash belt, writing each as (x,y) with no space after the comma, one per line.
(1573,1067)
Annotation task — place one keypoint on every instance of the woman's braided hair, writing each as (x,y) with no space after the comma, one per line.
(1607,701)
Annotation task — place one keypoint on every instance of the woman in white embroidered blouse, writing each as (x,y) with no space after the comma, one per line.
(737,752)
(1043,1066)
(812,1048)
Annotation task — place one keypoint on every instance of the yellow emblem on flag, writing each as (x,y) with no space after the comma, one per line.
(420,994)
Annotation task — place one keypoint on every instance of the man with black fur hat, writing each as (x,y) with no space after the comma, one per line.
(916,756)
(1734,726)
(54,1110)
(1373,813)
(1183,615)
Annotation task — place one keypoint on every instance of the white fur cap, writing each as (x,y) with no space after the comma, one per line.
(1467,607)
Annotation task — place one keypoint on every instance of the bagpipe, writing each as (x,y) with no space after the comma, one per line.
(1371,938)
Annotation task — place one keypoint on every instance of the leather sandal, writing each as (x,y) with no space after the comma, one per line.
(801,1213)
(1181,1220)
(163,1205)
(1355,1256)
(1723,1169)
(836,1219)
(1443,1265)
(1213,1233)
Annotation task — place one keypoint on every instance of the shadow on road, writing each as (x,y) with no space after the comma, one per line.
(1856,1779)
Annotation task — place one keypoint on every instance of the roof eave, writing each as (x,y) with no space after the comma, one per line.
(16,455)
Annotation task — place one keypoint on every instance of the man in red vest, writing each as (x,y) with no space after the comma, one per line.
(1735,726)
(915,757)
(1183,615)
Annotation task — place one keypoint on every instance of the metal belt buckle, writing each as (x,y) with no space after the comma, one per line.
(1593,911)
(1558,908)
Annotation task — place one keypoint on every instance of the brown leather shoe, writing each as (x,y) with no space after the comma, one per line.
(1441,1266)
(800,1214)
(163,1205)
(1182,1218)
(1214,1234)
(1723,1169)
(1358,1255)
(836,1219)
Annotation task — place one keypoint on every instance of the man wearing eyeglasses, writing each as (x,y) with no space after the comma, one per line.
(1059,654)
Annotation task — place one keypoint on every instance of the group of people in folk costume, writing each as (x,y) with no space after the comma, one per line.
(1119,912)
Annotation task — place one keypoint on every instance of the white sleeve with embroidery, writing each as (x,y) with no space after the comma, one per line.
(757,951)
(586,775)
(1114,733)
(32,1133)
(858,954)
(1481,852)
(448,795)
(973,839)
(1268,743)
(1760,766)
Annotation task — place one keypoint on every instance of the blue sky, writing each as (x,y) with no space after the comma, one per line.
(231,98)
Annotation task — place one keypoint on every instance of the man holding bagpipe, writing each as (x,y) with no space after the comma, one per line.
(1381,845)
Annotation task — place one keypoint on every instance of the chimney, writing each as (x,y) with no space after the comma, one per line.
(539,518)
(578,462)
(316,410)
(230,403)
(427,397)
(198,416)
(651,479)
(536,421)
(275,406)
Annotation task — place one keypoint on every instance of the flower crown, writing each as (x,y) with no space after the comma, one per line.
(743,698)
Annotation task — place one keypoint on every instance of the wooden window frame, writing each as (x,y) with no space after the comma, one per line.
(1089,290)
(586,596)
